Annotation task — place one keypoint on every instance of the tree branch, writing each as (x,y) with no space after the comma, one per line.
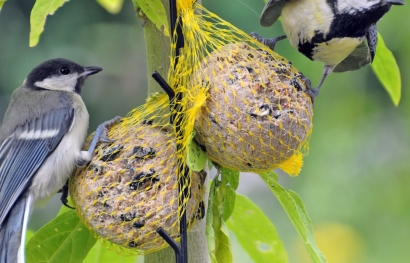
(158,53)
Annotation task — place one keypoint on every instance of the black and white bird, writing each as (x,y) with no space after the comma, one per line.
(340,33)
(41,138)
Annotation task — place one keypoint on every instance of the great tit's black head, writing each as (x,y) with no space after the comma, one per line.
(364,6)
(59,74)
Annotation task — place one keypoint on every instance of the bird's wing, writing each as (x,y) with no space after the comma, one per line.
(358,58)
(362,55)
(24,151)
(271,12)
(371,37)
(13,230)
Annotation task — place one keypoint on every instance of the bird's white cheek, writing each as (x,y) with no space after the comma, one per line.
(61,83)
(353,6)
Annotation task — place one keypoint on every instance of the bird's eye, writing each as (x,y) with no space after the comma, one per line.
(64,71)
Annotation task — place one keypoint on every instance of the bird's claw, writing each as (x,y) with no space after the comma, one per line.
(256,36)
(101,134)
(104,129)
(313,93)
(64,195)
(269,42)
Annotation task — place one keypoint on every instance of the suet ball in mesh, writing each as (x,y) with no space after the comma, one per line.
(130,188)
(257,114)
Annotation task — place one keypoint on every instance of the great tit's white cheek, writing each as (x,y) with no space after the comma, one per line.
(353,6)
(60,83)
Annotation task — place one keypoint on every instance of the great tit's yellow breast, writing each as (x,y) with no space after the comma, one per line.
(302,19)
(335,50)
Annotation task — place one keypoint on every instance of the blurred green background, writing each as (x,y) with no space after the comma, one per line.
(356,179)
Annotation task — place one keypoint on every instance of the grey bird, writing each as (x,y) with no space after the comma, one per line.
(41,141)
(340,33)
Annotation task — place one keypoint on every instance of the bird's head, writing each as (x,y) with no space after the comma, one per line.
(59,74)
(361,6)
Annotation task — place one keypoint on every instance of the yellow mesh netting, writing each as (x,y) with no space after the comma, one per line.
(246,103)
(130,188)
(247,107)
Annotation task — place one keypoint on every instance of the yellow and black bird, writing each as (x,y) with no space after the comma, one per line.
(340,33)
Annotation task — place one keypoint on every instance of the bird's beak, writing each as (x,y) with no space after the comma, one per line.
(90,71)
(395,2)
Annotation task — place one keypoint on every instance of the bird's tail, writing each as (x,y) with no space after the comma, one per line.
(13,231)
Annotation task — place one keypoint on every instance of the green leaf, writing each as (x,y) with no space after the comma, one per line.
(155,11)
(29,235)
(136,5)
(210,233)
(308,223)
(39,13)
(112,6)
(65,239)
(230,177)
(223,251)
(295,209)
(387,71)
(255,232)
(196,157)
(272,175)
(217,232)
(1,3)
(101,254)
(230,182)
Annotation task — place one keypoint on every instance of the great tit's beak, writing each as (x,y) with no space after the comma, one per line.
(90,71)
(395,2)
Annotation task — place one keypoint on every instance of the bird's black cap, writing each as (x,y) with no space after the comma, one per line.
(58,67)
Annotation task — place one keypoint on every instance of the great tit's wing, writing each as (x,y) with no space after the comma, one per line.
(24,151)
(362,55)
(13,230)
(358,58)
(371,37)
(271,12)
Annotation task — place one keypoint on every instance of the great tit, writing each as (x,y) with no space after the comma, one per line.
(340,33)
(41,139)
